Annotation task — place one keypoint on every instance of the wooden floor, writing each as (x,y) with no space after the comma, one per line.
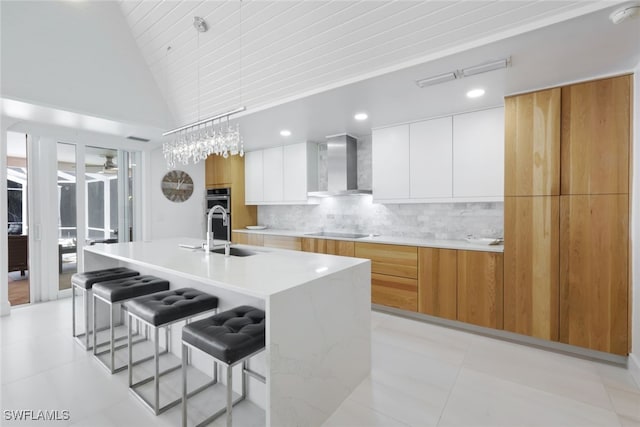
(19,285)
(18,288)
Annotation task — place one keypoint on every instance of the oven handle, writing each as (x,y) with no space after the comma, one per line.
(218,197)
(216,215)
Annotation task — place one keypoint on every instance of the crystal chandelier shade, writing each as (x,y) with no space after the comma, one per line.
(196,142)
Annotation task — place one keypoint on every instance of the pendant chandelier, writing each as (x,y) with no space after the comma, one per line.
(212,136)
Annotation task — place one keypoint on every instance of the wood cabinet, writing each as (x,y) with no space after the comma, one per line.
(394,273)
(594,283)
(531,263)
(230,173)
(394,291)
(330,247)
(596,129)
(431,159)
(480,288)
(532,144)
(248,238)
(393,260)
(218,170)
(282,175)
(282,242)
(567,256)
(478,154)
(437,281)
(390,163)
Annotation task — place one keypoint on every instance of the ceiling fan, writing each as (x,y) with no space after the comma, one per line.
(109,166)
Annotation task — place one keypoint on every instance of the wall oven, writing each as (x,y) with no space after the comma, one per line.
(222,197)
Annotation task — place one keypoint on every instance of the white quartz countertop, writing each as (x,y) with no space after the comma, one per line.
(269,272)
(392,240)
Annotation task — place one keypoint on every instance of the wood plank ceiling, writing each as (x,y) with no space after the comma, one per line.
(294,47)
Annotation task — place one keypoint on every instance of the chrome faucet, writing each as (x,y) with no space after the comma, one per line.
(225,222)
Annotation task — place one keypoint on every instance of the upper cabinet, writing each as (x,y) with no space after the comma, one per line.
(532,144)
(596,127)
(478,154)
(253,175)
(281,175)
(451,158)
(273,174)
(390,163)
(431,159)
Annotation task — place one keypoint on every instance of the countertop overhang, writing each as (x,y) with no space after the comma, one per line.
(268,272)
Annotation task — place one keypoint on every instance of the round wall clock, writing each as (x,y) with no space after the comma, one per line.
(177,186)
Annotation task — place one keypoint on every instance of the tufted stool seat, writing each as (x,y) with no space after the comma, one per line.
(169,306)
(230,337)
(116,292)
(84,282)
(159,310)
(87,279)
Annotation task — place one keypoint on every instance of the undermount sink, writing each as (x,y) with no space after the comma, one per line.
(235,252)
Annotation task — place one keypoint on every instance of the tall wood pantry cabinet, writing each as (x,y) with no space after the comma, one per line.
(567,214)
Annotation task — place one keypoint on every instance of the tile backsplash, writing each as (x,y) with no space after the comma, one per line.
(359,214)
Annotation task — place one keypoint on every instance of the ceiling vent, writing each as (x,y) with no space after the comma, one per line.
(137,138)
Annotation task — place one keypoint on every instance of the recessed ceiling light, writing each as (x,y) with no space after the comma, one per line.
(475,93)
(285,132)
(361,116)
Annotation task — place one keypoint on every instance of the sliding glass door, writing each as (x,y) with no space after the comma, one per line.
(67,215)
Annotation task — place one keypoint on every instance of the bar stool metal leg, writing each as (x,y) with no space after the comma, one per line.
(229,395)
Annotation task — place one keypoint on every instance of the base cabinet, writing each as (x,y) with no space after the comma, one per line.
(594,283)
(394,274)
(480,288)
(393,291)
(282,242)
(329,247)
(438,292)
(248,239)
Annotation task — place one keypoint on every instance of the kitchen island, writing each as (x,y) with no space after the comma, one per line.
(318,330)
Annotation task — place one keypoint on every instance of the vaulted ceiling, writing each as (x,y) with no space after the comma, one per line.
(262,53)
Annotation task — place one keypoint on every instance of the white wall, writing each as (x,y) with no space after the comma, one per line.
(634,358)
(170,219)
(79,56)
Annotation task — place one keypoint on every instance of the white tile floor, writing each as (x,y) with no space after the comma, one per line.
(422,375)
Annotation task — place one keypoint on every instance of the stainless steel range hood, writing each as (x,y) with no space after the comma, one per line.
(342,168)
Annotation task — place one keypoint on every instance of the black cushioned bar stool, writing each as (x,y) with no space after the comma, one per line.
(230,337)
(117,292)
(84,283)
(160,310)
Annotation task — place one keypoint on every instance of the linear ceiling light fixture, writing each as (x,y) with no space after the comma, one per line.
(436,80)
(465,72)
(196,141)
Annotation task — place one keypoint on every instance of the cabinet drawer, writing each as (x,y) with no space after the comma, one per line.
(283,242)
(394,291)
(392,260)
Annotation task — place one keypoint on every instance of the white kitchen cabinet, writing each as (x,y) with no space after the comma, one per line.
(431,159)
(300,171)
(253,177)
(281,175)
(273,174)
(390,160)
(478,154)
